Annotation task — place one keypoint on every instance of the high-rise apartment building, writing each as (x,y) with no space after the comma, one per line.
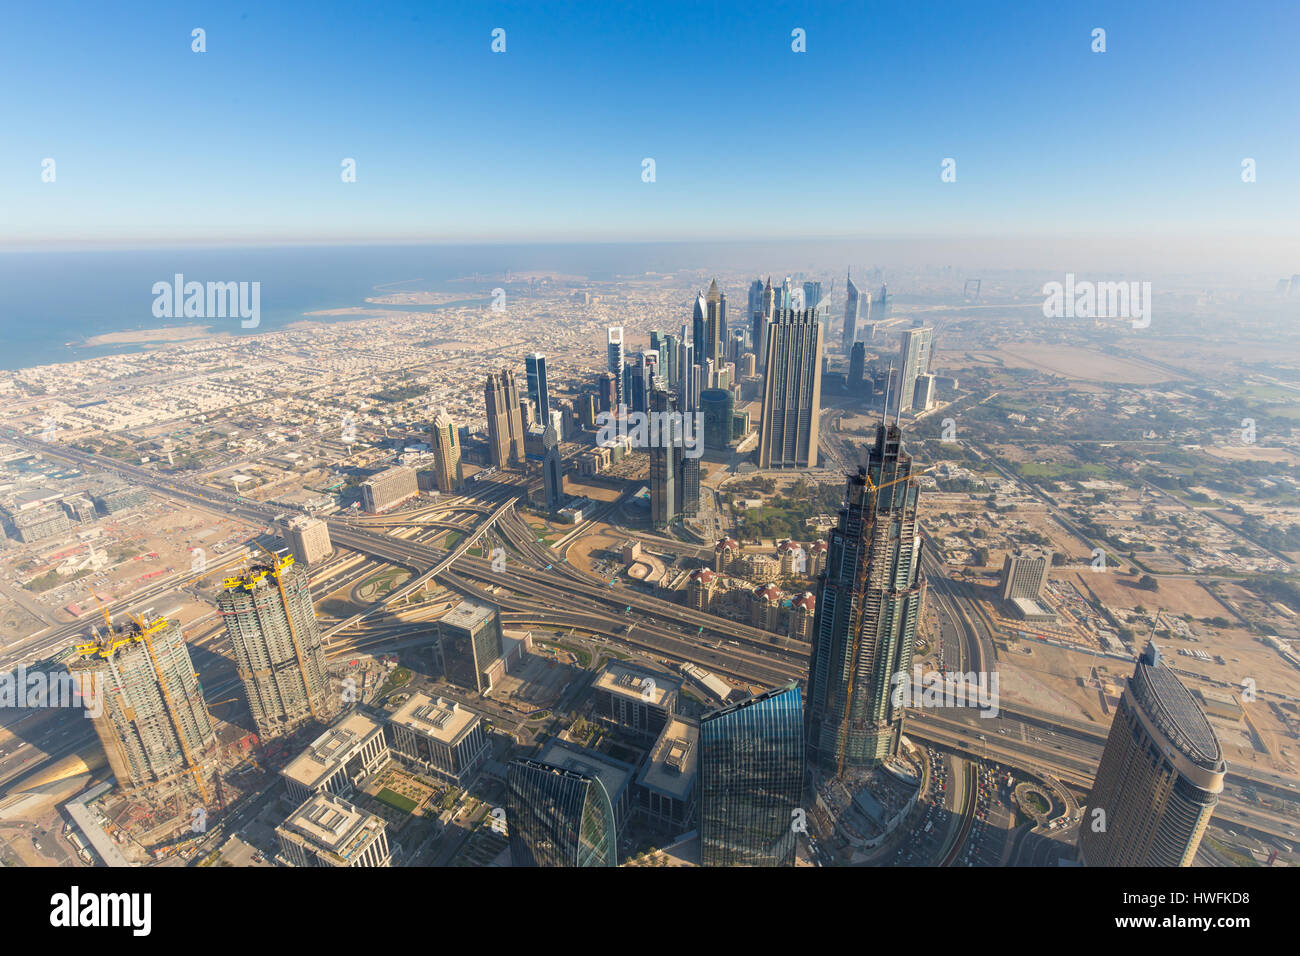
(558,817)
(867,615)
(278,647)
(446,453)
(1160,775)
(791,391)
(750,779)
(914,360)
(615,361)
(152,721)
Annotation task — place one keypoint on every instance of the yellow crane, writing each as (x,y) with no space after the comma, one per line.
(855,629)
(278,566)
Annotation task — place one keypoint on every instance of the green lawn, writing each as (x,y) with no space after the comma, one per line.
(395,799)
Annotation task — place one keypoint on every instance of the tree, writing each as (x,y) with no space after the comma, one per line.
(1148,583)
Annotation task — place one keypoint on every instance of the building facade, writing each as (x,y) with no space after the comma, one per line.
(558,817)
(791,391)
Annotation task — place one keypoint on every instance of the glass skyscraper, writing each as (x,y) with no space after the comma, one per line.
(558,817)
(538,394)
(751,775)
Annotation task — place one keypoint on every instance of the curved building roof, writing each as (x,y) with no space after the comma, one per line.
(1175,712)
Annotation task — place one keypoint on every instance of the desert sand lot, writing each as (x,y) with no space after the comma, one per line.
(1253,453)
(1082,364)
(1176,595)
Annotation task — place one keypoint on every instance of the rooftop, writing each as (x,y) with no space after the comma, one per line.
(1176,713)
(443,720)
(672,763)
(330,750)
(329,822)
(626,680)
(468,614)
(614,775)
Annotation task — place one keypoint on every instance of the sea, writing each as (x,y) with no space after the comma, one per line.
(51,302)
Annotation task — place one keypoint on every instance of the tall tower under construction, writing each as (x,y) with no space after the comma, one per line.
(146,704)
(867,616)
(279,652)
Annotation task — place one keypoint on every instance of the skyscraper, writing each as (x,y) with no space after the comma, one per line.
(1160,775)
(278,647)
(914,360)
(851,315)
(663,461)
(812,296)
(498,426)
(767,308)
(754,302)
(791,391)
(699,328)
(857,365)
(688,480)
(607,392)
(615,361)
(538,394)
(514,417)
(552,470)
(669,357)
(558,817)
(446,453)
(152,722)
(751,775)
(469,636)
(718,406)
(715,328)
(637,380)
(688,379)
(867,614)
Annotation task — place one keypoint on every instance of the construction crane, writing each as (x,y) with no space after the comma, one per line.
(859,587)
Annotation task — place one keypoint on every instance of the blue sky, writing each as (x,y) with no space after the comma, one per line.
(545,141)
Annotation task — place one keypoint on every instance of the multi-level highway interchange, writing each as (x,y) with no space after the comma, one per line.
(539,589)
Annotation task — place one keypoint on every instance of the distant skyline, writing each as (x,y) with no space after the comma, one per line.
(155,144)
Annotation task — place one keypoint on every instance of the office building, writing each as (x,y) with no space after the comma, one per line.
(152,722)
(351,749)
(670,357)
(665,788)
(558,817)
(326,830)
(607,392)
(552,471)
(471,641)
(446,453)
(768,309)
(718,406)
(635,698)
(498,422)
(914,361)
(688,382)
(853,314)
(388,489)
(1160,775)
(791,391)
(688,471)
(1024,574)
(751,775)
(664,451)
(867,614)
(615,362)
(857,367)
(538,393)
(514,417)
(308,538)
(923,393)
(278,647)
(443,738)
